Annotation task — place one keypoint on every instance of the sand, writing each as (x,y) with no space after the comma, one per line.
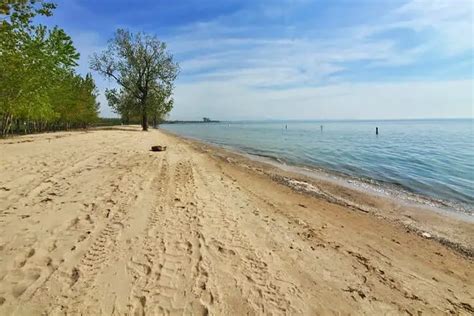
(94,223)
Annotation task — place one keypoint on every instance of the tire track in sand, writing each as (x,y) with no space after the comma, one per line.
(77,284)
(235,253)
(166,271)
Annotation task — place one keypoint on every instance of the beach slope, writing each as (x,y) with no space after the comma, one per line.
(95,223)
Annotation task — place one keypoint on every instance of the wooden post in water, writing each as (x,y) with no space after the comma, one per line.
(376,131)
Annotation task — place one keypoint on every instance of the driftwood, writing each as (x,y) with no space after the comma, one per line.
(158,148)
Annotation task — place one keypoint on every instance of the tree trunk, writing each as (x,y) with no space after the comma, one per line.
(144,114)
(127,118)
(144,121)
(7,122)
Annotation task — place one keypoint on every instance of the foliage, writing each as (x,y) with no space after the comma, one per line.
(39,89)
(145,71)
(159,103)
(103,121)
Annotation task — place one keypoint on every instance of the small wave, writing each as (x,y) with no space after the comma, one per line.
(268,156)
(392,189)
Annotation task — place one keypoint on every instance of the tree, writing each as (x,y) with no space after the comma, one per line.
(142,66)
(159,104)
(122,103)
(29,54)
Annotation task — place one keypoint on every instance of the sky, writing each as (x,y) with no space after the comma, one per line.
(296,59)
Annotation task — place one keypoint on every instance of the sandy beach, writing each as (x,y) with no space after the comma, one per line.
(94,223)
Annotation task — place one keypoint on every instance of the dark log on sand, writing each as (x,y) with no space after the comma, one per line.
(158,148)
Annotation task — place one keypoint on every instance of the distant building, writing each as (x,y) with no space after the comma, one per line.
(206,119)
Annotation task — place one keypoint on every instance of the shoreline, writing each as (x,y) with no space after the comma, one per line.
(371,187)
(424,180)
(312,182)
(95,223)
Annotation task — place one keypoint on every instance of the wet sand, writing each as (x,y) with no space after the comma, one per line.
(94,223)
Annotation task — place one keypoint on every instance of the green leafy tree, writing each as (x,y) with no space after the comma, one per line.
(144,69)
(30,53)
(159,104)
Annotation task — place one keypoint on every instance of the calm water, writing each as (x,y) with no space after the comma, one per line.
(434,158)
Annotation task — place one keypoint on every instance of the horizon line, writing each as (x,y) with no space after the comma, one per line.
(315,120)
(321,120)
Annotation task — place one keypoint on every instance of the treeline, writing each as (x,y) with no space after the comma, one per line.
(39,88)
(114,121)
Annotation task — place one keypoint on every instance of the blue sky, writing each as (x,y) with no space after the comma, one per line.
(297,59)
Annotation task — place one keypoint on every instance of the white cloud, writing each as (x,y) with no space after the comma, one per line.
(216,51)
(224,76)
(449,23)
(225,66)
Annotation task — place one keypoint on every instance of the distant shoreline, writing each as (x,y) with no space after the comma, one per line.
(190,122)
(321,120)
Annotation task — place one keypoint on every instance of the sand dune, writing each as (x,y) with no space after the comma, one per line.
(94,223)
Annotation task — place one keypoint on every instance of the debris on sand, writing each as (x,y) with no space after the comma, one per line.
(158,148)
(426,235)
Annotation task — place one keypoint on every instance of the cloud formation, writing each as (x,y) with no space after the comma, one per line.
(308,59)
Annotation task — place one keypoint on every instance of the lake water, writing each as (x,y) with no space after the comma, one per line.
(432,158)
